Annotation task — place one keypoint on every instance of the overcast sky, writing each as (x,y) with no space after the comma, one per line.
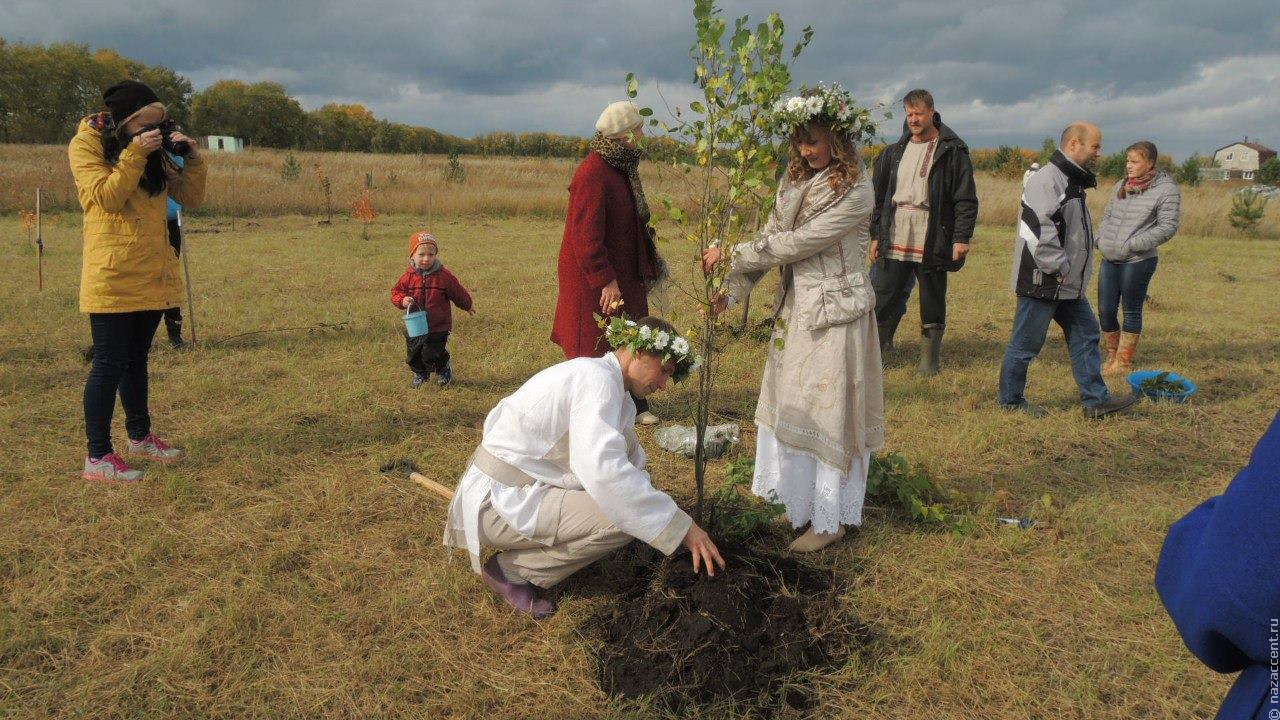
(1189,75)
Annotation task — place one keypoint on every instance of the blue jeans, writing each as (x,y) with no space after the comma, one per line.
(1123,284)
(1031,326)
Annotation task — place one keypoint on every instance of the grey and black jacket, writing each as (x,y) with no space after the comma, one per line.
(953,197)
(1052,255)
(1134,226)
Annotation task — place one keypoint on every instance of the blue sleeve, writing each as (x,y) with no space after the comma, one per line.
(174,205)
(1219,577)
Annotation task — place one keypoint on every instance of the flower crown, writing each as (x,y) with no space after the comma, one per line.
(621,331)
(832,104)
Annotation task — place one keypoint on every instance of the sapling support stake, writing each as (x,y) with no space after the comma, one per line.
(39,245)
(186,274)
(232,204)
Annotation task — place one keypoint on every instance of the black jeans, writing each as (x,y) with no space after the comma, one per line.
(121,342)
(892,280)
(173,316)
(426,354)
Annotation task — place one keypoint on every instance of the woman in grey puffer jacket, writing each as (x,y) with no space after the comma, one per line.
(1141,216)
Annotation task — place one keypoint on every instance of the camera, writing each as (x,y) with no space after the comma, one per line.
(167,128)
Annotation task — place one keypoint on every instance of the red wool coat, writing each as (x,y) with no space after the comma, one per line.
(603,241)
(432,293)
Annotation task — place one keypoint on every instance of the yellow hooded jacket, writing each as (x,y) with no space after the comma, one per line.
(129,264)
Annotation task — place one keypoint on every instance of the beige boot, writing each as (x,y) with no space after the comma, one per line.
(811,541)
(1124,355)
(1110,343)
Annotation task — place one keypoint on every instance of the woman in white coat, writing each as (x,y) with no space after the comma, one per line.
(821,408)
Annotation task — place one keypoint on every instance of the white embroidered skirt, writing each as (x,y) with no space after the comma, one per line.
(812,491)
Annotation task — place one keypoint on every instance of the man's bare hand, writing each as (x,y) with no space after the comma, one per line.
(703,550)
(959,250)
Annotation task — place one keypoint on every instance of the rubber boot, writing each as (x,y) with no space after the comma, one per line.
(1124,354)
(173,324)
(930,349)
(886,330)
(1110,343)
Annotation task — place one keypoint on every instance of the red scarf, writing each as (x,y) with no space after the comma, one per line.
(1136,185)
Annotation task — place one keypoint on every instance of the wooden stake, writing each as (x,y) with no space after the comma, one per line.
(232,203)
(186,274)
(39,244)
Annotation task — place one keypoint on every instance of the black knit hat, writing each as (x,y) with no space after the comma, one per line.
(126,98)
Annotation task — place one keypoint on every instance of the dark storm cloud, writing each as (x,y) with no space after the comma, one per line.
(469,67)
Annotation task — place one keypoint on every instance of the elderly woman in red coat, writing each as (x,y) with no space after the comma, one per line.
(608,254)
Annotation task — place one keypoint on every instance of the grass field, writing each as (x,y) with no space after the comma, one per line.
(250,185)
(278,574)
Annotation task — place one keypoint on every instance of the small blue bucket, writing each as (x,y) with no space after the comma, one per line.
(415,323)
(1136,379)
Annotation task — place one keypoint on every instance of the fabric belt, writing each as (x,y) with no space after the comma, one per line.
(910,206)
(500,470)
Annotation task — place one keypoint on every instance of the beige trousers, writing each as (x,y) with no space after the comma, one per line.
(581,536)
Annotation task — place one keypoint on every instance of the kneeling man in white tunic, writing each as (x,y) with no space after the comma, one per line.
(558,480)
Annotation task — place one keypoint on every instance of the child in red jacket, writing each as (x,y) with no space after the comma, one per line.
(427,285)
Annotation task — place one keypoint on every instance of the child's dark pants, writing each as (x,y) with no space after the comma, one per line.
(427,353)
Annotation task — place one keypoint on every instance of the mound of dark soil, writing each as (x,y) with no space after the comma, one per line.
(742,635)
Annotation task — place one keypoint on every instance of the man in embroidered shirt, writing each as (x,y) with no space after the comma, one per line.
(925,211)
(558,480)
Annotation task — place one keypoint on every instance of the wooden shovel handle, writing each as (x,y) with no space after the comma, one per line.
(431,485)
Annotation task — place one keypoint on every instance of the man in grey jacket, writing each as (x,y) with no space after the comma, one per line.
(1052,262)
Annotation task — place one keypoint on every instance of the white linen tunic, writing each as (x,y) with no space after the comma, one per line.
(570,426)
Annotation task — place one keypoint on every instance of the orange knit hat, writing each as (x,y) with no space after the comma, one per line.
(419,238)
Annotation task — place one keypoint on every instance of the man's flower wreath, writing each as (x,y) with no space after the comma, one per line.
(621,331)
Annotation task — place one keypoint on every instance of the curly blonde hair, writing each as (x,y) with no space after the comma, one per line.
(846,164)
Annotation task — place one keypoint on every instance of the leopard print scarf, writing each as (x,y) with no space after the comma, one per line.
(627,160)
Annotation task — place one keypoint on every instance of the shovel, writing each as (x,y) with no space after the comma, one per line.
(407,466)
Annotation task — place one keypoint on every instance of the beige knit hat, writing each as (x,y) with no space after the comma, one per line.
(618,118)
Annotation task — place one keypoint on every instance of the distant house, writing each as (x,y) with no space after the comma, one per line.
(1239,160)
(226,143)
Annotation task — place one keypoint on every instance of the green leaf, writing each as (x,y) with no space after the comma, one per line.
(698,107)
(646,112)
(632,85)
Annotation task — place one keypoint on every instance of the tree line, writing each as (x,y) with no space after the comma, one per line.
(46,90)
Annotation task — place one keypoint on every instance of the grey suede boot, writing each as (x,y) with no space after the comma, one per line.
(930,349)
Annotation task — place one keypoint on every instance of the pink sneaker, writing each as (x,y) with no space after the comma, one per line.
(156,449)
(110,468)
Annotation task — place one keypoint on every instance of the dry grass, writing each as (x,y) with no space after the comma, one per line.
(250,185)
(277,574)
